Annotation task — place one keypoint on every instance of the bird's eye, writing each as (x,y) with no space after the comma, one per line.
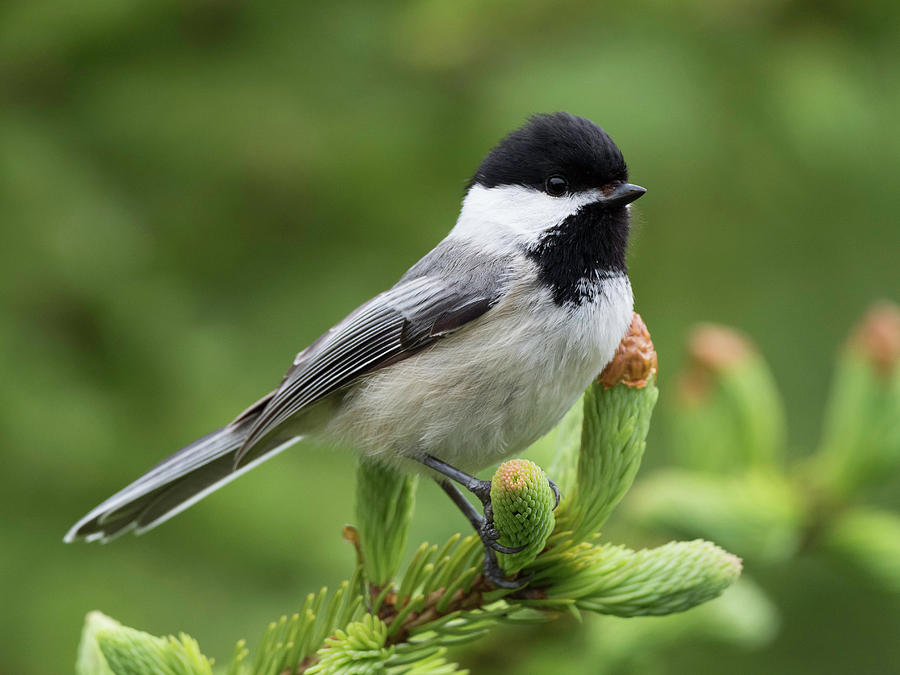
(556,186)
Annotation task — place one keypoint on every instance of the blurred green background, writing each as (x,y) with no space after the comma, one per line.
(192,191)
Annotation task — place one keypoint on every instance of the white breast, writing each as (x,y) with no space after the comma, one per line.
(494,387)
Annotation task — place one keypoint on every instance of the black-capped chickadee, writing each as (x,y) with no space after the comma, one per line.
(476,352)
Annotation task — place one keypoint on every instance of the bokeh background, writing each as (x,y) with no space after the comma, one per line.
(191,191)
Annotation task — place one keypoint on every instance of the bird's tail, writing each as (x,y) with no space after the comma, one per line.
(174,484)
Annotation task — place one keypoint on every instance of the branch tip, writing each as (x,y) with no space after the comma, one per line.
(634,364)
(717,348)
(712,349)
(877,336)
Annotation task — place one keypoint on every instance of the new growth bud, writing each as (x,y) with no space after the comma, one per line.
(712,350)
(108,647)
(729,415)
(523,510)
(616,412)
(861,440)
(877,337)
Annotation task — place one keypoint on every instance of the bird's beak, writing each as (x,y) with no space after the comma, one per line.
(622,195)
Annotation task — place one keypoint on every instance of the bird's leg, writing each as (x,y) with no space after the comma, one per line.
(481,489)
(484,526)
(488,535)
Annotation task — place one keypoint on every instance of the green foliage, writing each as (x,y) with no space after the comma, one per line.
(860,446)
(730,415)
(382,623)
(615,422)
(289,642)
(759,513)
(868,540)
(384,503)
(617,581)
(360,648)
(758,504)
(109,648)
(90,659)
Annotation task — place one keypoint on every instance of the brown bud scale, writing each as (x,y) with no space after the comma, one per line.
(716,348)
(634,364)
(878,336)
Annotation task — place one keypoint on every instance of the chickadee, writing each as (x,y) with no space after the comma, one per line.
(475,353)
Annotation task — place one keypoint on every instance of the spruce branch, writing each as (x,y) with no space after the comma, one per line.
(384,622)
(728,431)
(362,649)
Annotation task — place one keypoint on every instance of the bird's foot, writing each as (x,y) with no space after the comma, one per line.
(556,493)
(485,528)
(489,536)
(494,574)
(483,524)
(482,490)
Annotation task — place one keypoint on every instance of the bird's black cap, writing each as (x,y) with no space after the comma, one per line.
(554,144)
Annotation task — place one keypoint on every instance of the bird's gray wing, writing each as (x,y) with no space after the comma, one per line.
(392,326)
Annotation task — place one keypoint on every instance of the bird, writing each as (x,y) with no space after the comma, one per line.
(477,351)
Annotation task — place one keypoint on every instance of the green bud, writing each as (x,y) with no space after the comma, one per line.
(523,504)
(670,578)
(861,441)
(109,647)
(384,503)
(729,415)
(566,442)
(90,658)
(615,421)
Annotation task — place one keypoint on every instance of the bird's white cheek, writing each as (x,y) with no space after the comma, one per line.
(496,217)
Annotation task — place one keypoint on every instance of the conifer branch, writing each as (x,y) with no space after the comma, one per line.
(379,621)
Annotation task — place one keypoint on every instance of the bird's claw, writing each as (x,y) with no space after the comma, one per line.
(483,524)
(481,489)
(556,492)
(489,536)
(495,575)
(500,548)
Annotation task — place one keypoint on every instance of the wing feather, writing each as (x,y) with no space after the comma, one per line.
(390,327)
